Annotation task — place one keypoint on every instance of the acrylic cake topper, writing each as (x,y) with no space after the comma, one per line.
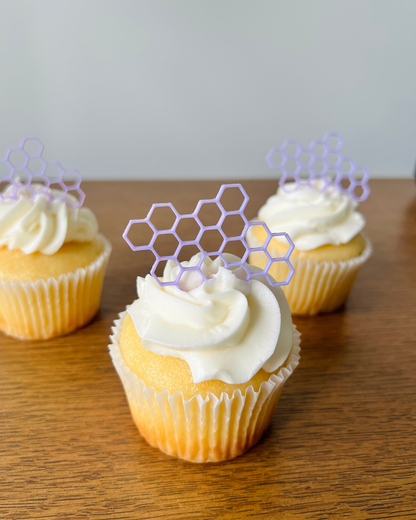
(321,160)
(25,167)
(197,241)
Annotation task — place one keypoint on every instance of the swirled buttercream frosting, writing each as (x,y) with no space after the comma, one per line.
(43,224)
(312,218)
(224,328)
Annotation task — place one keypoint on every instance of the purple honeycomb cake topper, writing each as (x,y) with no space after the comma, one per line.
(50,178)
(221,250)
(321,160)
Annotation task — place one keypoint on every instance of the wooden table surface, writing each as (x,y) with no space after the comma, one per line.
(342,443)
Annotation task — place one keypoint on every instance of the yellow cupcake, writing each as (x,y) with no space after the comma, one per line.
(52,265)
(329,246)
(203,370)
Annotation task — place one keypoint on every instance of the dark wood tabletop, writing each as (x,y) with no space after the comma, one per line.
(342,443)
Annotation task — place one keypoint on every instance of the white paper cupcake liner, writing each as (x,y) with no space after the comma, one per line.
(315,286)
(201,430)
(43,309)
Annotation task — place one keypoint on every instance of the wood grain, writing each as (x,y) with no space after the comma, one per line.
(342,443)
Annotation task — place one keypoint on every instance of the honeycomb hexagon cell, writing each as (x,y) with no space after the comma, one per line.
(167,241)
(244,257)
(71,178)
(235,225)
(318,149)
(320,157)
(209,214)
(77,199)
(241,203)
(17,158)
(134,237)
(291,149)
(166,212)
(36,165)
(264,230)
(32,169)
(276,158)
(32,147)
(59,186)
(333,142)
(344,183)
(346,167)
(209,250)
(212,241)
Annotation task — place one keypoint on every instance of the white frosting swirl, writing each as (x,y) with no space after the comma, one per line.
(225,328)
(313,218)
(43,224)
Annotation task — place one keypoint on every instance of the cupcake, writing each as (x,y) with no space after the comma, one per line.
(203,355)
(52,259)
(329,244)
(316,204)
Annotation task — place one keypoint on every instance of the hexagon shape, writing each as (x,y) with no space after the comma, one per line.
(289,183)
(166,244)
(159,263)
(77,194)
(139,234)
(209,213)
(305,158)
(32,147)
(282,237)
(187,251)
(234,245)
(262,260)
(359,175)
(54,171)
(305,175)
(187,228)
(291,149)
(36,165)
(211,241)
(319,167)
(359,192)
(58,186)
(292,167)
(235,225)
(343,183)
(333,159)
(346,166)
(330,176)
(318,149)
(232,198)
(286,281)
(17,158)
(261,233)
(275,158)
(163,216)
(71,178)
(333,142)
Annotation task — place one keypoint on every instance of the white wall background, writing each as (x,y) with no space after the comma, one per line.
(202,89)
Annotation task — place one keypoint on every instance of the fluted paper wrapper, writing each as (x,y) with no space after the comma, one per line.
(43,309)
(315,286)
(201,430)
